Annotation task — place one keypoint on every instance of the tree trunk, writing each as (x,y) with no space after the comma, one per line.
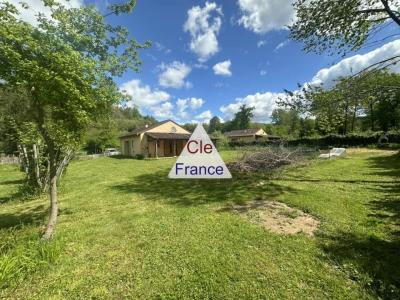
(346,112)
(51,225)
(35,149)
(372,116)
(52,168)
(26,159)
(353,120)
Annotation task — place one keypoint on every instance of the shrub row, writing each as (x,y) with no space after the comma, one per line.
(332,140)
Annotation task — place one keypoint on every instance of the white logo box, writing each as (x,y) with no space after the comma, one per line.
(199,159)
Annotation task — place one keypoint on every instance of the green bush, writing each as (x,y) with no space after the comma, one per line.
(332,140)
(352,139)
(222,141)
(139,156)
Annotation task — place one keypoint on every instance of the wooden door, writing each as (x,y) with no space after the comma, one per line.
(127,148)
(168,148)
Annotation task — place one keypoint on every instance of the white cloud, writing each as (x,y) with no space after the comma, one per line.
(191,103)
(223,68)
(261,43)
(263,103)
(261,16)
(281,45)
(204,28)
(357,63)
(205,116)
(174,74)
(263,72)
(195,103)
(163,111)
(181,105)
(36,6)
(142,95)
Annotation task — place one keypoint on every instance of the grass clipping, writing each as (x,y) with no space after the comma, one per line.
(278,217)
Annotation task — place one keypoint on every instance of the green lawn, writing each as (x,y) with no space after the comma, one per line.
(127,231)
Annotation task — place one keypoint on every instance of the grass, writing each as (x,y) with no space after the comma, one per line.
(127,231)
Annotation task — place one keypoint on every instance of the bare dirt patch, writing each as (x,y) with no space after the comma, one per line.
(277,217)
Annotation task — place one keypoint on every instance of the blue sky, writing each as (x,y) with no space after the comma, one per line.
(209,57)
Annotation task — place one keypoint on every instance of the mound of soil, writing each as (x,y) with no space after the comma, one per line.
(278,217)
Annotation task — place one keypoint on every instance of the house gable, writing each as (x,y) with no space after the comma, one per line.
(162,127)
(261,132)
(168,127)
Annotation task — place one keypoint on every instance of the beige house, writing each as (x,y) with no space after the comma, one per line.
(163,139)
(245,135)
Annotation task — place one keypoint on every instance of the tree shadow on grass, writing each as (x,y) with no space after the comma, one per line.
(385,165)
(24,193)
(378,257)
(332,180)
(386,209)
(371,261)
(15,181)
(21,193)
(33,216)
(184,192)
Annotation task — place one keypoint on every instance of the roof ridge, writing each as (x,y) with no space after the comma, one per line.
(144,129)
(239,132)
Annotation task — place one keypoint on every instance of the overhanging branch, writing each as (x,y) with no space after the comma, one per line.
(391,13)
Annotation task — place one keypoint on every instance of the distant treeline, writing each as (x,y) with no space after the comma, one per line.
(104,133)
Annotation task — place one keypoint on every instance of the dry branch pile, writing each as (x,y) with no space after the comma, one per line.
(266,159)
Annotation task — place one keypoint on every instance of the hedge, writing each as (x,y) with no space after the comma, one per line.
(332,140)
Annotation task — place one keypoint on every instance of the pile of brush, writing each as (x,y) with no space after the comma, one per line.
(266,159)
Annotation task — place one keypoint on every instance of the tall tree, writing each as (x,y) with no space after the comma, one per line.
(288,122)
(190,126)
(12,109)
(65,66)
(289,118)
(374,95)
(104,132)
(340,25)
(215,124)
(243,117)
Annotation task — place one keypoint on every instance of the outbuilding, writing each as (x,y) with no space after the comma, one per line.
(245,135)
